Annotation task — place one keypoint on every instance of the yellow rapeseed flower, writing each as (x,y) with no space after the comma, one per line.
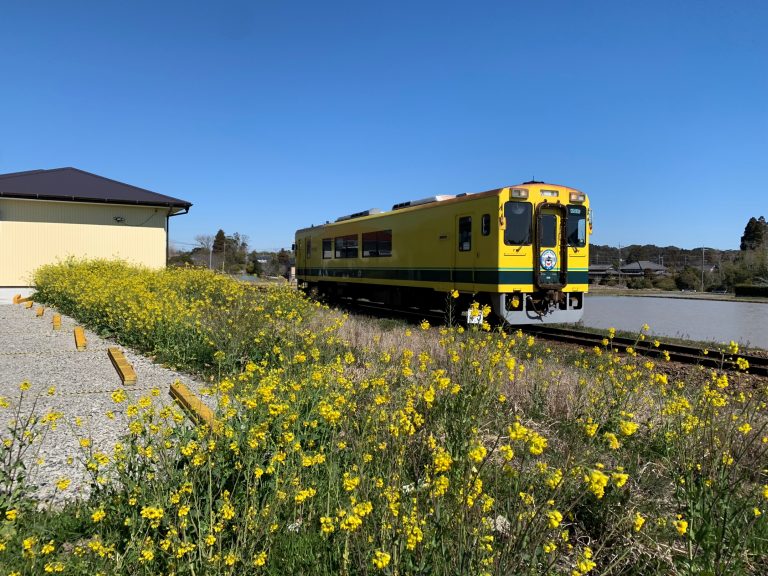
(260,559)
(680,525)
(613,442)
(627,427)
(477,453)
(638,522)
(381,559)
(555,518)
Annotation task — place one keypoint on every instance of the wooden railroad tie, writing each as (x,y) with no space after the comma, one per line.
(56,321)
(28,304)
(80,341)
(197,411)
(40,311)
(123,367)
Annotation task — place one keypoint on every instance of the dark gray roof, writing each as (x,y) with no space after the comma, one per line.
(73,185)
(643,265)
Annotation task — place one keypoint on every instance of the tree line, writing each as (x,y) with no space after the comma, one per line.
(697,268)
(230,254)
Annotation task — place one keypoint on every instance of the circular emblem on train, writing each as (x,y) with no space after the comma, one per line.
(548,259)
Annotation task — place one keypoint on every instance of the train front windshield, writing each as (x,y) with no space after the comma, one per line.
(519,223)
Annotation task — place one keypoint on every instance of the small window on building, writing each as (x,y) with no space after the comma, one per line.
(465,233)
(548,231)
(485,224)
(346,246)
(377,243)
(327,248)
(518,223)
(577,226)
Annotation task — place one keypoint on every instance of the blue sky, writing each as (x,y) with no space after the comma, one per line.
(271,116)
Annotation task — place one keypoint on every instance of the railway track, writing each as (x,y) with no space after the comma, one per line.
(677,352)
(758,365)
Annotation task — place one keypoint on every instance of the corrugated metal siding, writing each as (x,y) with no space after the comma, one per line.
(33,233)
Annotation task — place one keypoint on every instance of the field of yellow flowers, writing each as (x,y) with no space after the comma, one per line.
(412,450)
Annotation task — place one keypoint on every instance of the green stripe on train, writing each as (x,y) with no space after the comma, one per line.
(451,275)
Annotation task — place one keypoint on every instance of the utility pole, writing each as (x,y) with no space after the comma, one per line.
(702,268)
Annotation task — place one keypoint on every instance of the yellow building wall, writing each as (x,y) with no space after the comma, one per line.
(37,232)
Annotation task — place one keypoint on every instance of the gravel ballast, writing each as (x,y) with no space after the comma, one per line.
(32,351)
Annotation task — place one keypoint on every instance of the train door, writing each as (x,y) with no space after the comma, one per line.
(307,255)
(464,254)
(550,266)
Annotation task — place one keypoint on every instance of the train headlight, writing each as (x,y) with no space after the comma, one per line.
(550,193)
(518,193)
(578,197)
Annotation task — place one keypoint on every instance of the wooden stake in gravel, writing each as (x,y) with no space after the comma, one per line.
(197,411)
(80,338)
(123,367)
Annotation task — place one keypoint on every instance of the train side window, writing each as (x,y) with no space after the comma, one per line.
(548,231)
(346,246)
(518,216)
(577,226)
(465,233)
(485,224)
(327,248)
(376,244)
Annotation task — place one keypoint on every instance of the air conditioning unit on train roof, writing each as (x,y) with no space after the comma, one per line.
(429,200)
(369,212)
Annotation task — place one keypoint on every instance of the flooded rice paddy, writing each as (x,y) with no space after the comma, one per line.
(703,320)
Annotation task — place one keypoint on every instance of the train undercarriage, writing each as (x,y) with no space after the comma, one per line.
(516,308)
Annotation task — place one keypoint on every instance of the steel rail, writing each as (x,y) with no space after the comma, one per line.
(758,365)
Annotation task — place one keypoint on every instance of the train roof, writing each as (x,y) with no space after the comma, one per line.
(428,202)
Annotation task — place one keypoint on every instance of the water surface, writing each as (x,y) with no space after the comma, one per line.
(706,320)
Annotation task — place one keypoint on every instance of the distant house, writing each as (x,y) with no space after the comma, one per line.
(599,271)
(48,215)
(641,268)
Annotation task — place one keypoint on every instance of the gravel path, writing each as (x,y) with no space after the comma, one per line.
(31,351)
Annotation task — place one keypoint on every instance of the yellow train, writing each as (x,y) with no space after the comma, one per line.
(524,250)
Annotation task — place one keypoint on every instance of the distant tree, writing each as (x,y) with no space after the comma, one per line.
(179,257)
(206,244)
(664,283)
(688,279)
(219,242)
(235,253)
(755,234)
(254,266)
(284,257)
